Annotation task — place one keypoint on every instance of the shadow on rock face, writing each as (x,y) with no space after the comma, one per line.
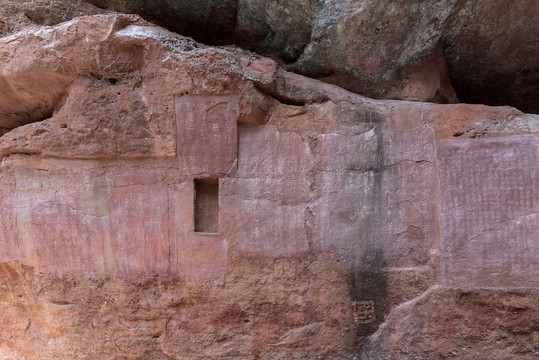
(368,290)
(210,22)
(491,57)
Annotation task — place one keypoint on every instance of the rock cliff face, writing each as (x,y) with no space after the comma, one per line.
(409,50)
(378,48)
(164,199)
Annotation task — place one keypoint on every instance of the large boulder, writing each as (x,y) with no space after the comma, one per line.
(492,53)
(380,49)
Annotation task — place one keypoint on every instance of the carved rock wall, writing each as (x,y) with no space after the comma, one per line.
(346,226)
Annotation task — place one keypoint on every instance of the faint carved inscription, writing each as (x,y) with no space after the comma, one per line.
(273,191)
(490,211)
(363,312)
(206,133)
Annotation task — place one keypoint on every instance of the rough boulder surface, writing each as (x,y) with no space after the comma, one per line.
(165,199)
(478,51)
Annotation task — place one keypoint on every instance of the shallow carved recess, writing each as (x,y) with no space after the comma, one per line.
(340,219)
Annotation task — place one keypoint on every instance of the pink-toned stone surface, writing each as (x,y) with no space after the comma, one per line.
(360,46)
(447,323)
(207,134)
(105,217)
(103,87)
(335,213)
(273,192)
(490,211)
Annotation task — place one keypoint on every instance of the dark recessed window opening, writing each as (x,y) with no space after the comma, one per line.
(207,205)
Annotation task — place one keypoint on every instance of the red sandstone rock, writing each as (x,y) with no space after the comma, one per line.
(207,134)
(452,323)
(378,48)
(490,211)
(15,15)
(336,213)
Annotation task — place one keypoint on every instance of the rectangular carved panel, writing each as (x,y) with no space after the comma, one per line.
(490,211)
(273,192)
(206,134)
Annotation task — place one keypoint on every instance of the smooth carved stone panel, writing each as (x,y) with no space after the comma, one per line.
(408,217)
(139,225)
(104,217)
(346,152)
(376,193)
(407,188)
(94,217)
(9,247)
(343,212)
(490,211)
(207,134)
(273,192)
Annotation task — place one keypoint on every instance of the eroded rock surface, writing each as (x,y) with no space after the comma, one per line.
(380,49)
(16,15)
(340,222)
(447,323)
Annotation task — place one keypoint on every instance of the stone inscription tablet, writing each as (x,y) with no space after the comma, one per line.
(490,211)
(206,134)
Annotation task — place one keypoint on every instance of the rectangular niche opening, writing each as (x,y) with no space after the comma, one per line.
(207,205)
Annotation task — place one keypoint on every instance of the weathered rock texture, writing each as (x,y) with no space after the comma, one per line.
(16,15)
(381,49)
(346,226)
(378,48)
